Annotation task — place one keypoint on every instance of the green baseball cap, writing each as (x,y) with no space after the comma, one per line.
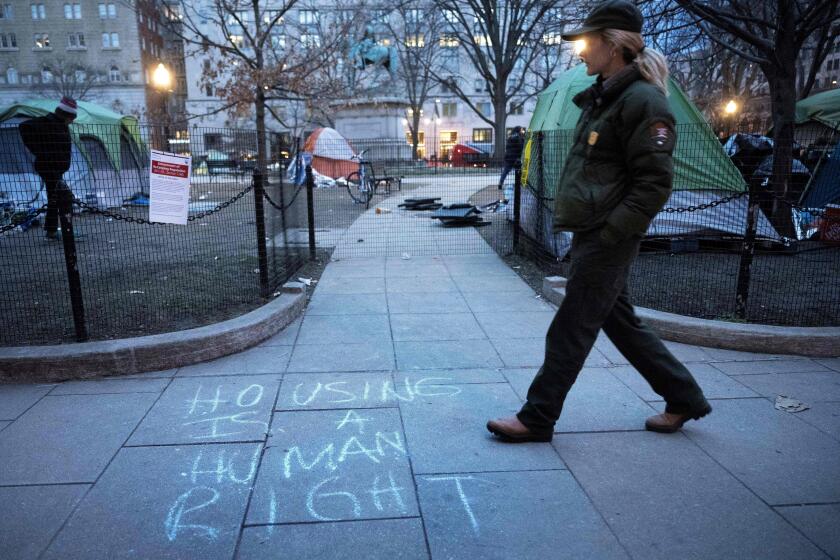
(611,14)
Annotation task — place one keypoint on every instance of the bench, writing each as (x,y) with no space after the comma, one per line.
(383,179)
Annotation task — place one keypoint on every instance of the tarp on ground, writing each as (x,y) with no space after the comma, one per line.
(331,153)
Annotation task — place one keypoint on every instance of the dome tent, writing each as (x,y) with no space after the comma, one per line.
(107,162)
(702,170)
(331,153)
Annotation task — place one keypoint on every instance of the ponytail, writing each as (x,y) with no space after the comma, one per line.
(652,64)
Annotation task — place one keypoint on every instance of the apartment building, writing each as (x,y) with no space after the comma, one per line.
(98,51)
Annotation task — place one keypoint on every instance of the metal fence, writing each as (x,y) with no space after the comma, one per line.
(241,242)
(694,260)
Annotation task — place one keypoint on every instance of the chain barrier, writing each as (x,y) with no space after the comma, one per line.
(29,215)
(280,207)
(132,219)
(707,205)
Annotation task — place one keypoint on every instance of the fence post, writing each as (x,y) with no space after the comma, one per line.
(540,170)
(68,240)
(259,211)
(310,209)
(517,192)
(742,287)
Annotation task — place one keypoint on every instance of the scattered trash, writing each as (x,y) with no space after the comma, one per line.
(136,292)
(538,296)
(256,271)
(405,256)
(360,241)
(787,404)
(461,214)
(275,294)
(215,258)
(307,281)
(517,267)
(380,210)
(202,197)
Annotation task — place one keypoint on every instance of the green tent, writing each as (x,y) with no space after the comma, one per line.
(822,107)
(700,162)
(91,120)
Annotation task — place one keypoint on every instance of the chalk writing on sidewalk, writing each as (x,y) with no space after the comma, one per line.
(343,392)
(204,412)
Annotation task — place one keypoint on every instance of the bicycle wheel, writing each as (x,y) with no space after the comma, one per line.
(359,192)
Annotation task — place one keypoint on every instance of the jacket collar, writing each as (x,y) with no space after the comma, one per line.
(603,91)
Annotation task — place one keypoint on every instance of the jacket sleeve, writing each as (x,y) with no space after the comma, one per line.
(649,139)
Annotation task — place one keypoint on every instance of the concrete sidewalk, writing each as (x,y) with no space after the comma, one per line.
(358,432)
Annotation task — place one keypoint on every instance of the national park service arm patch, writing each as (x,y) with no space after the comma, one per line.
(661,135)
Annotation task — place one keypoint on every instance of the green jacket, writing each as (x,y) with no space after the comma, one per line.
(619,172)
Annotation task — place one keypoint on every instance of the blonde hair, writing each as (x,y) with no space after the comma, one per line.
(652,64)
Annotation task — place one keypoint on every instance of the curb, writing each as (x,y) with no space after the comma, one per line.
(86,360)
(822,342)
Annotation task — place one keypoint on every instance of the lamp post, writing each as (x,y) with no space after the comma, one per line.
(730,110)
(437,120)
(162,81)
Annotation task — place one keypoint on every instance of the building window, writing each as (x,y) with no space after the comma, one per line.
(76,41)
(208,90)
(484,108)
(11,75)
(479,85)
(415,41)
(109,11)
(449,40)
(110,40)
(236,41)
(38,11)
(41,40)
(8,41)
(79,75)
(482,135)
(271,15)
(449,109)
(114,74)
(73,11)
(308,17)
(414,16)
(278,41)
(451,16)
(46,75)
(516,109)
(7,11)
(309,40)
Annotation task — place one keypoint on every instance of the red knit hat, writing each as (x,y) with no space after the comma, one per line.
(68,105)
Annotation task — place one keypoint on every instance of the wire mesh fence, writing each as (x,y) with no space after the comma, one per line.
(135,277)
(693,254)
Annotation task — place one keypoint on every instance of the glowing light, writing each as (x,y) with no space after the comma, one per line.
(162,77)
(731,107)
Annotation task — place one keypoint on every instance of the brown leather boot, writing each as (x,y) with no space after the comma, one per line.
(511,430)
(669,422)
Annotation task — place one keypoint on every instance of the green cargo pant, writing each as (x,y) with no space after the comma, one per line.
(597,298)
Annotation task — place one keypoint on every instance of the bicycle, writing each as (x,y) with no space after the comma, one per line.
(361,184)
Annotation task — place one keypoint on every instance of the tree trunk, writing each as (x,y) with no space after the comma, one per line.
(783,102)
(259,106)
(499,118)
(415,134)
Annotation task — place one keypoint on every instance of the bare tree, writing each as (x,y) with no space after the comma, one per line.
(260,56)
(502,41)
(65,77)
(771,35)
(417,31)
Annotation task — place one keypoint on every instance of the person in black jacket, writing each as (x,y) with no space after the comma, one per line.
(48,138)
(513,153)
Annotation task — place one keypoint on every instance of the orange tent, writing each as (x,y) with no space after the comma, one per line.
(331,153)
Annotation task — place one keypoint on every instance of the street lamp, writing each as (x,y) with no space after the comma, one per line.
(730,110)
(162,81)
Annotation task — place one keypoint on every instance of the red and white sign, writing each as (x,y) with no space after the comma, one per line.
(169,187)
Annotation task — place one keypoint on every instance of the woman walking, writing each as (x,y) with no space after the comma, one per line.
(617,176)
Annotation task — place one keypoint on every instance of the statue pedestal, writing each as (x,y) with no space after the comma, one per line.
(376,125)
